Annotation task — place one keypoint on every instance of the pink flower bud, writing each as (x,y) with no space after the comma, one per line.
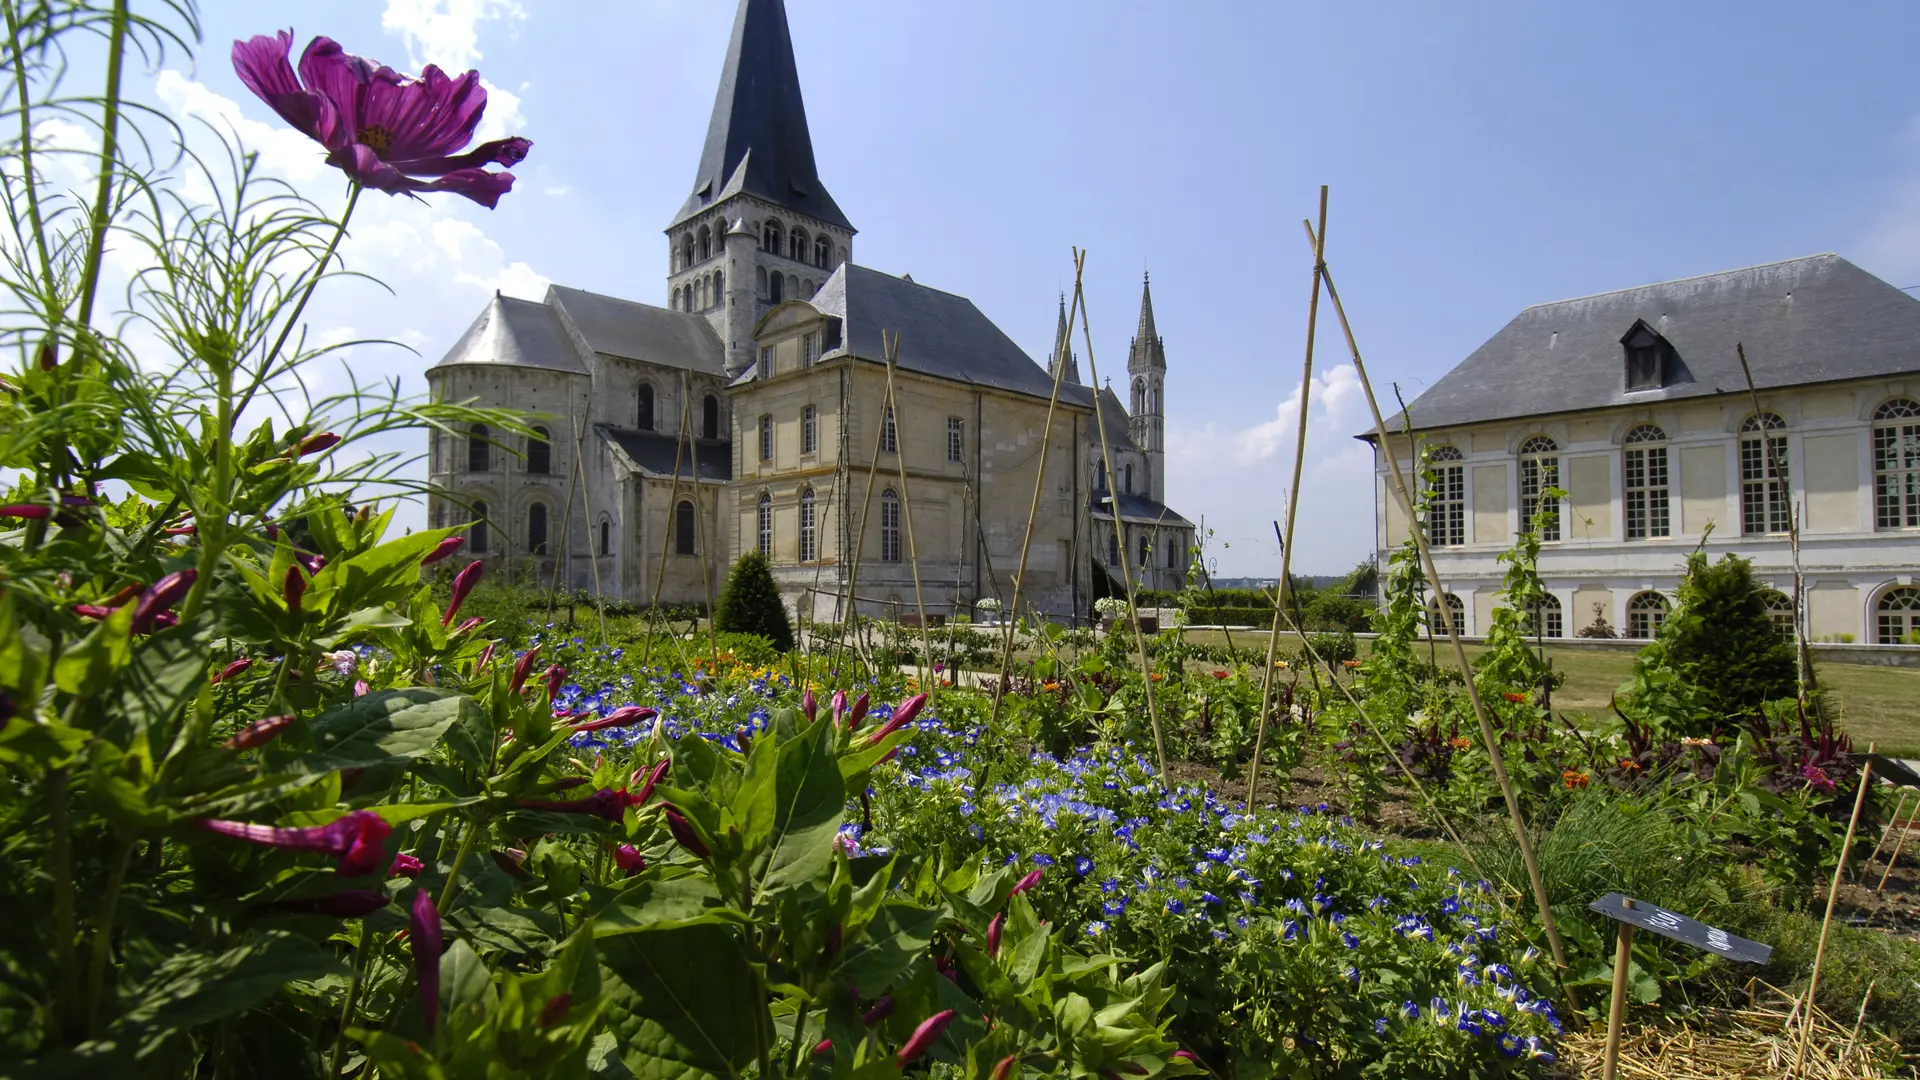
(405,865)
(447,547)
(521,668)
(361,688)
(903,715)
(858,714)
(839,706)
(165,593)
(1033,878)
(231,670)
(994,929)
(463,584)
(882,1009)
(809,706)
(467,627)
(684,833)
(625,716)
(555,1010)
(425,937)
(28,511)
(823,1048)
(924,1036)
(555,676)
(511,860)
(653,779)
(1005,1068)
(628,859)
(259,733)
(316,444)
(93,611)
(486,656)
(295,588)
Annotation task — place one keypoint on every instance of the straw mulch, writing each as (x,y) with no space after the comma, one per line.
(1759,1041)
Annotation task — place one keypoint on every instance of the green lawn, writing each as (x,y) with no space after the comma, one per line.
(1877,704)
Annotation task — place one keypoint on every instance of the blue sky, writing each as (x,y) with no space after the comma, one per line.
(1482,157)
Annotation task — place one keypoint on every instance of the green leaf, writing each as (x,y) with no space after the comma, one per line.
(685,1002)
(383,726)
(90,665)
(466,988)
(392,813)
(364,621)
(898,935)
(809,801)
(659,905)
(192,989)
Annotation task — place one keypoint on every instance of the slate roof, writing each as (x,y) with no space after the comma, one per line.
(1809,320)
(1140,510)
(653,453)
(757,140)
(940,334)
(517,333)
(633,331)
(1113,416)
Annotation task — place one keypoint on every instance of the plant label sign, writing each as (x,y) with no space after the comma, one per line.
(1680,928)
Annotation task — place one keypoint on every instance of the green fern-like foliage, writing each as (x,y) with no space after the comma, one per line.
(751,604)
(1724,642)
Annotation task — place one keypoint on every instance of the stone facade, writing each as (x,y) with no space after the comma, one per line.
(647,479)
(1647,481)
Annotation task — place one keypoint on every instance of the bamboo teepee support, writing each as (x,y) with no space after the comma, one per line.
(586,501)
(1833,894)
(1033,515)
(1119,530)
(1492,743)
(852,609)
(1293,508)
(891,348)
(666,539)
(1802,655)
(701,541)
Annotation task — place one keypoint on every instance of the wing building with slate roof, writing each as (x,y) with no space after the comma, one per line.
(1634,405)
(749,413)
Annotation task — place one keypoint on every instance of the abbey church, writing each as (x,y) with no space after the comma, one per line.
(750,412)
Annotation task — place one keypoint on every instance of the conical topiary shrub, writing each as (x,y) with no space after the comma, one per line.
(750,604)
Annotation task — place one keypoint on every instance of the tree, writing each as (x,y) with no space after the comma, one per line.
(1725,643)
(751,603)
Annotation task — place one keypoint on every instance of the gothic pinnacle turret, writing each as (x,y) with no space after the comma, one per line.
(1063,349)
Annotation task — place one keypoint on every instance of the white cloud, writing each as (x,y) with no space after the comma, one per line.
(557,189)
(482,263)
(446,32)
(1239,477)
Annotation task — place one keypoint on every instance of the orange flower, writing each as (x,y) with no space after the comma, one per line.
(1050,687)
(1221,674)
(1280,665)
(1460,742)
(1629,763)
(1575,779)
(1515,698)
(1350,664)
(1157,677)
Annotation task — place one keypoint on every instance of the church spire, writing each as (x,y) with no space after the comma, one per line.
(1148,351)
(758,142)
(1063,349)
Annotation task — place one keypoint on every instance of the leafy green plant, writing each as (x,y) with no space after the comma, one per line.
(1724,642)
(751,604)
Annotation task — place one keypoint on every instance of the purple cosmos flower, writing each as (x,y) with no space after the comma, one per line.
(424,934)
(384,130)
(350,904)
(463,583)
(259,733)
(924,1036)
(356,839)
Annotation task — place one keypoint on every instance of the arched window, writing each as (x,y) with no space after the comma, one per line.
(606,537)
(1897,617)
(1763,475)
(760,278)
(1446,497)
(537,528)
(1780,612)
(479,451)
(683,528)
(766,438)
(706,243)
(822,252)
(1645,471)
(1126,484)
(809,550)
(776,289)
(809,430)
(806,290)
(644,413)
(764,525)
(1539,470)
(1146,550)
(1896,464)
(719,286)
(539,452)
(1546,620)
(1153,399)
(889,435)
(1645,612)
(1455,611)
(770,236)
(477,537)
(1139,397)
(1173,555)
(710,418)
(889,526)
(686,251)
(797,245)
(703,300)
(1113,549)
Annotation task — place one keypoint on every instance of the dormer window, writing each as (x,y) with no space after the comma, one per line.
(1646,355)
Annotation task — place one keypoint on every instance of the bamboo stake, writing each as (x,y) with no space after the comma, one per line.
(1826,923)
(701,541)
(906,514)
(1487,736)
(586,498)
(1033,515)
(1900,803)
(1895,857)
(566,520)
(1119,532)
(1777,469)
(1617,1010)
(860,533)
(1293,503)
(666,539)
